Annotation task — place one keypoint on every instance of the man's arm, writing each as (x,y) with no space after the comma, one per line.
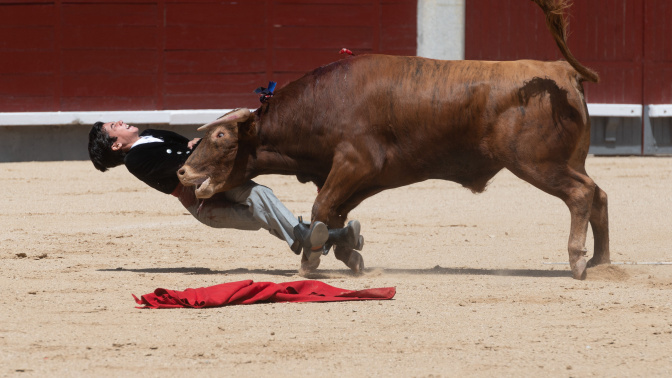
(156,164)
(193,142)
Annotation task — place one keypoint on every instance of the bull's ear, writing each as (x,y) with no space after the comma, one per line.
(238,115)
(248,129)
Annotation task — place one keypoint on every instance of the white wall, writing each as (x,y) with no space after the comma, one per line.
(441,29)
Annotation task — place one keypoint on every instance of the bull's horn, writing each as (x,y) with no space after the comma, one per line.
(238,115)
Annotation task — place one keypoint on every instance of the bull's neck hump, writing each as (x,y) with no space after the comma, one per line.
(286,144)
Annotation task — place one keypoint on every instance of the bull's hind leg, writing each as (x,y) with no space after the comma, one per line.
(599,222)
(579,202)
(577,190)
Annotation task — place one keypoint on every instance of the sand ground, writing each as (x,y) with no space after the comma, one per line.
(479,292)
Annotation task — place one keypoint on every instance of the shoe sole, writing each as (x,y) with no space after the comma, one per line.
(360,243)
(354,238)
(318,235)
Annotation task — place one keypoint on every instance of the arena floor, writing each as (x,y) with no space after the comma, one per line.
(481,285)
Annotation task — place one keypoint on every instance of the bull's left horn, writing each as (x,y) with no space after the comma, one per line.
(238,115)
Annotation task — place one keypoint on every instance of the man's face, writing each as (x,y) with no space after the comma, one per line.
(126,134)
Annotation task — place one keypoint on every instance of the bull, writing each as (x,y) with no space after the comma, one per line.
(368,123)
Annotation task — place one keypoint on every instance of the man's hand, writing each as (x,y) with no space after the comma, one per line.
(192,143)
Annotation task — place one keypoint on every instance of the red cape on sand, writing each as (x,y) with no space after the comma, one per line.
(248,292)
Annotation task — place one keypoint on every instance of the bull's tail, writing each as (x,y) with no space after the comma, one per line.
(557,24)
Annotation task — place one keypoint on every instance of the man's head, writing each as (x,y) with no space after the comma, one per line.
(109,142)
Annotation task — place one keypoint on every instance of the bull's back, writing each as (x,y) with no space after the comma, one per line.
(444,99)
(432,118)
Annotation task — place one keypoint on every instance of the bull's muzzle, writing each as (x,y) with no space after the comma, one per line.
(187,178)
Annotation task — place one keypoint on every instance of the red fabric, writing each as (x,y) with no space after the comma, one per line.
(248,292)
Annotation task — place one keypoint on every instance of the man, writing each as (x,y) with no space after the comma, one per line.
(155,156)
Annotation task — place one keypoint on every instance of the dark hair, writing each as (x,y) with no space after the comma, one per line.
(100,149)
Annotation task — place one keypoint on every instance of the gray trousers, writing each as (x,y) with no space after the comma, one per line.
(248,207)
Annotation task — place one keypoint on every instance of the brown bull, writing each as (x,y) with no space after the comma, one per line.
(368,123)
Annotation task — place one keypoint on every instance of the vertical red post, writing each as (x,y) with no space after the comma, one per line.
(58,52)
(161,56)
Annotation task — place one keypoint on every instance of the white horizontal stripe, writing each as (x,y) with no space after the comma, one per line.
(615,110)
(166,117)
(656,111)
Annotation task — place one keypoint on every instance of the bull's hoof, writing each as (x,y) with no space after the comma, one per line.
(356,263)
(598,261)
(309,263)
(579,269)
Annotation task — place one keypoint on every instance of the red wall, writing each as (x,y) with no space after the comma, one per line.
(628,42)
(171,54)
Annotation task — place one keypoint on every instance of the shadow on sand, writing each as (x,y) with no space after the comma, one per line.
(322,274)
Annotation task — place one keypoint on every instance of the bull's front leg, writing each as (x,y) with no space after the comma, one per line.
(345,253)
(335,219)
(333,203)
(310,259)
(349,256)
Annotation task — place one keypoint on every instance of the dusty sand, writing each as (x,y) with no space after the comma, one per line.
(475,293)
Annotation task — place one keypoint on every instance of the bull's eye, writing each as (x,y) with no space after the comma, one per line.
(220,135)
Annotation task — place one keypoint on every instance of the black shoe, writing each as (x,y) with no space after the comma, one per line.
(310,238)
(347,237)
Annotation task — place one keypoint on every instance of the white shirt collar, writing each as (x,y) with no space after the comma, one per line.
(147,139)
